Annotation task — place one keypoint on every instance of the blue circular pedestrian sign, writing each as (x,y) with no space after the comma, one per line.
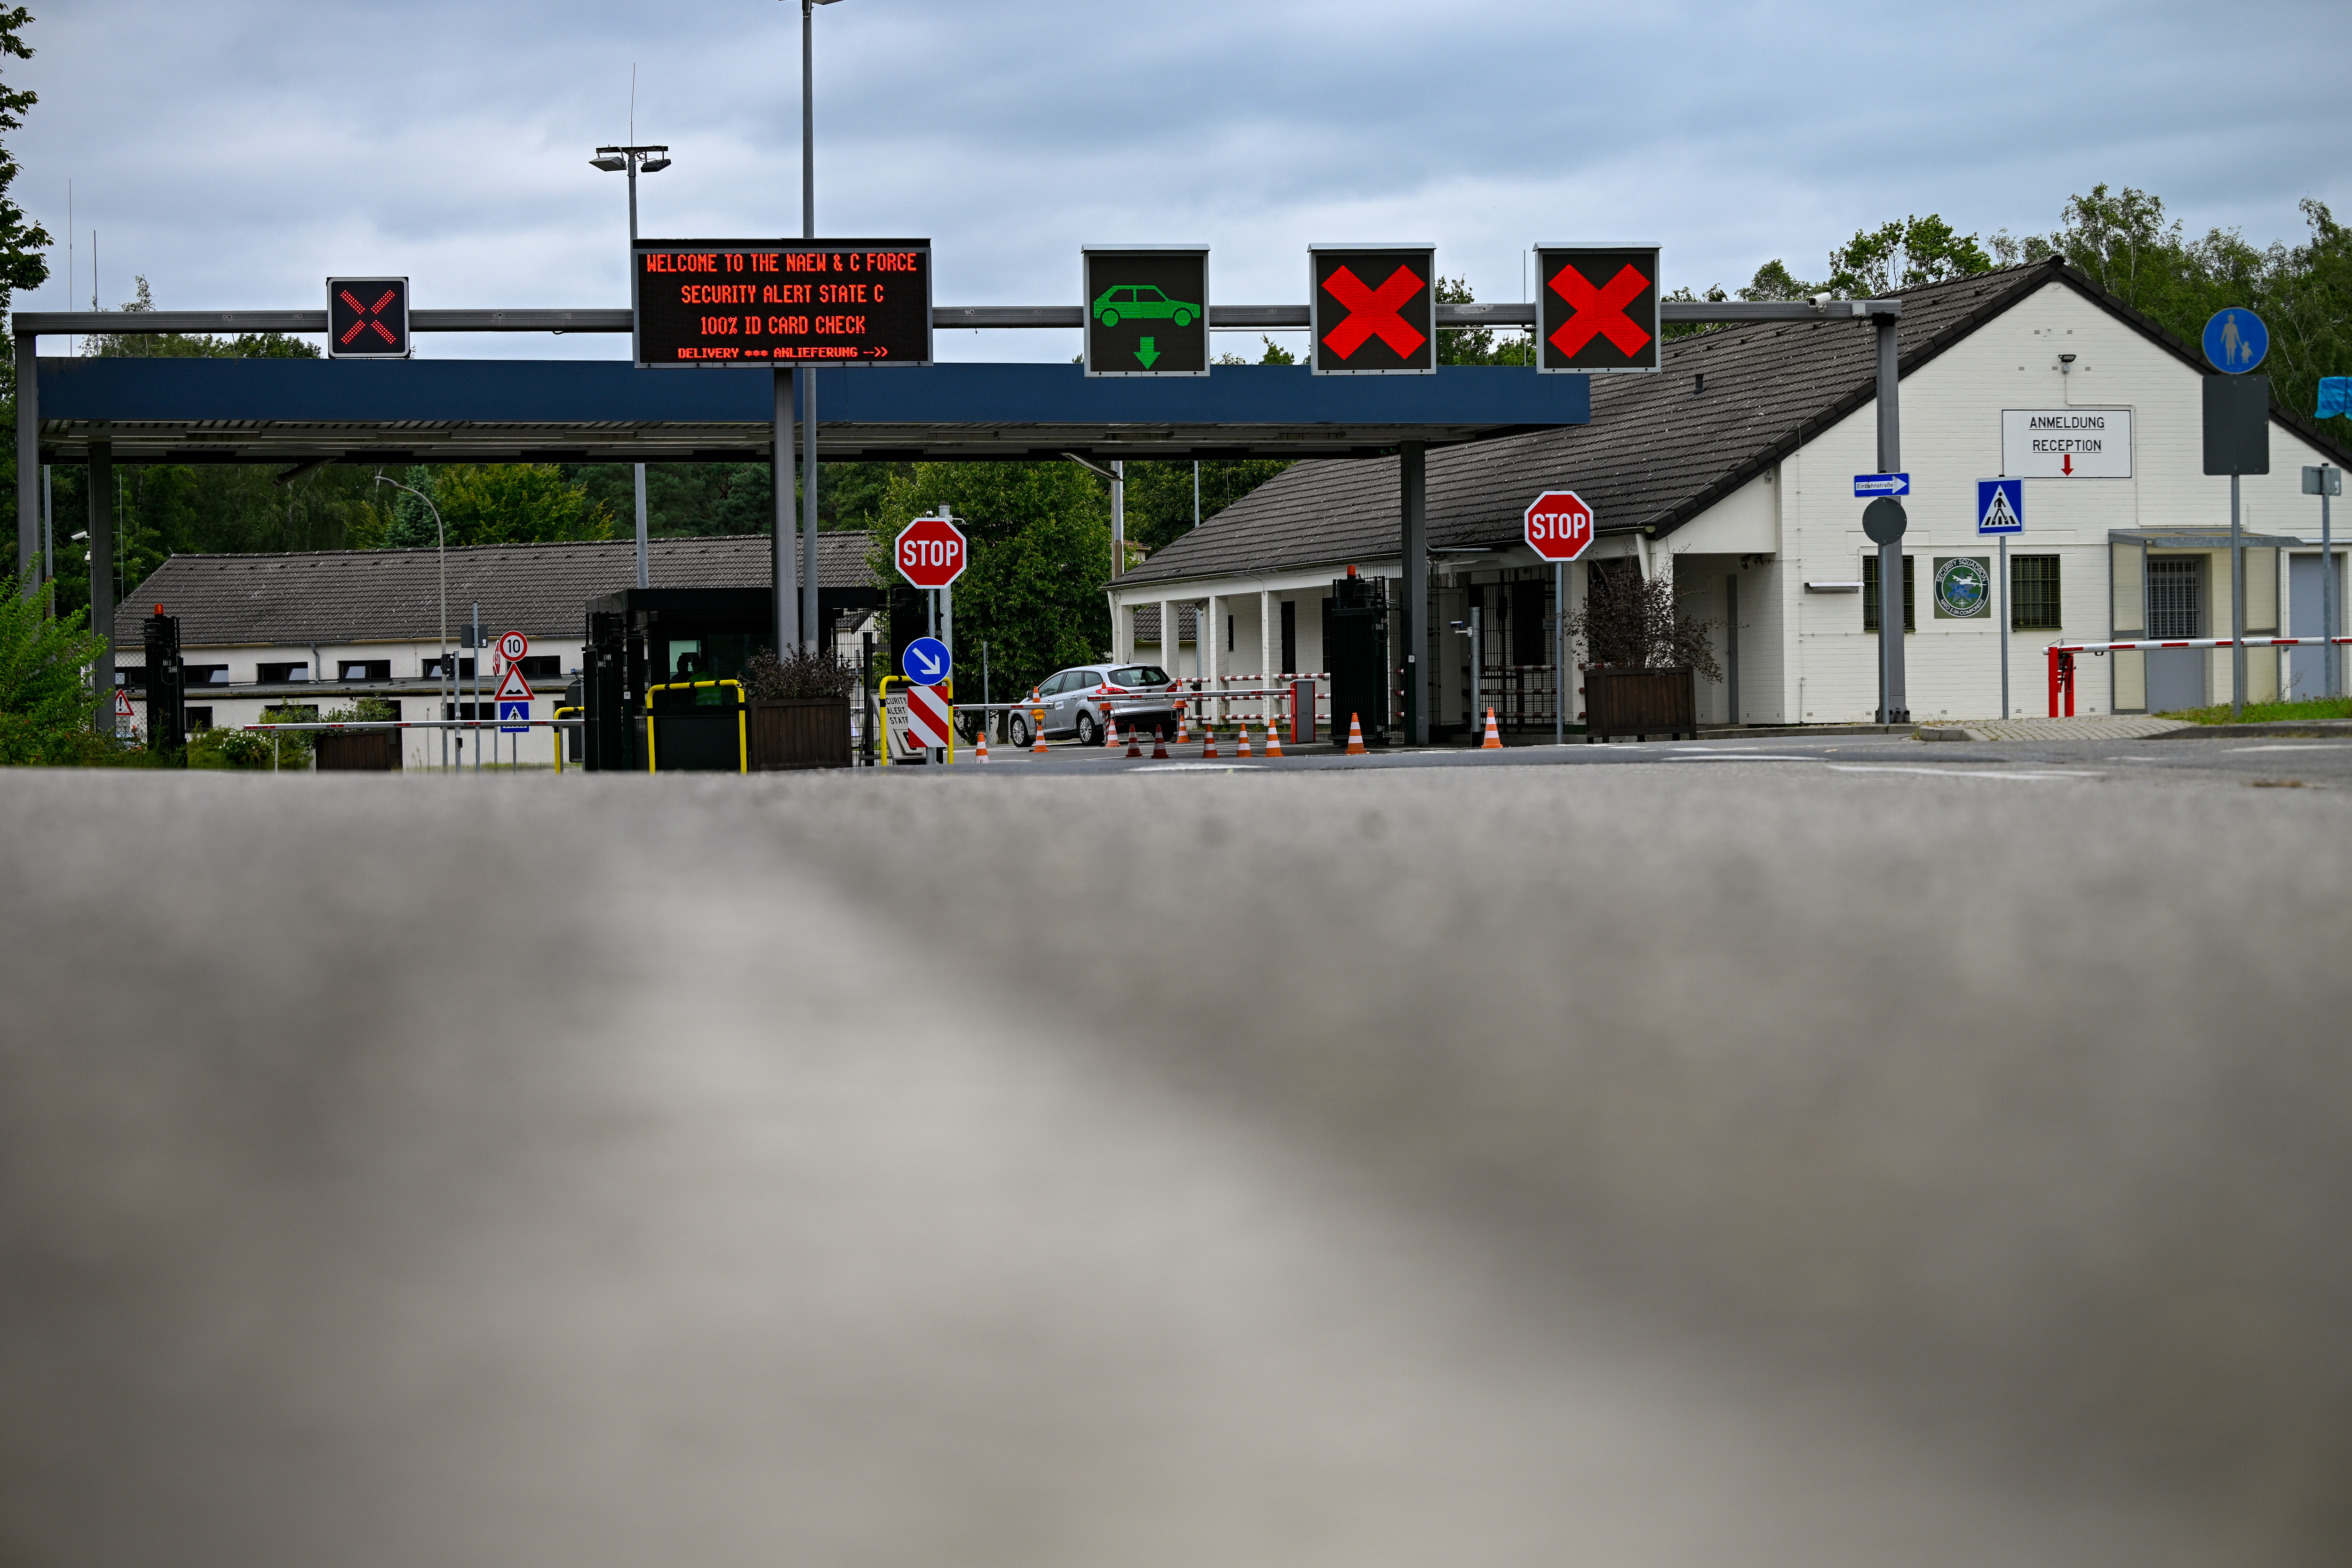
(2236,340)
(926,661)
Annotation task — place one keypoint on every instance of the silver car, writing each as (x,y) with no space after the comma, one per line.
(1140,697)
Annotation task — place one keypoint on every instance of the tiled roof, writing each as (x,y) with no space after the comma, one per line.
(1657,453)
(371,595)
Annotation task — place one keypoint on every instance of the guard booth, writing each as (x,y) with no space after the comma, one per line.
(662,678)
(1356,649)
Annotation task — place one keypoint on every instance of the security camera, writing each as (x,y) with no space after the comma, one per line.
(2065,359)
(1822,300)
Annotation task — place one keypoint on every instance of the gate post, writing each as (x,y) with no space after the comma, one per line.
(1413,477)
(779,483)
(29,465)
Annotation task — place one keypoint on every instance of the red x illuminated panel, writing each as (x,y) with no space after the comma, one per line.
(1597,307)
(367,318)
(1374,311)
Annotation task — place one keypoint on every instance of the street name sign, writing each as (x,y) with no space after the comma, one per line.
(1597,308)
(2066,443)
(2235,340)
(1559,525)
(2000,506)
(930,551)
(367,318)
(513,700)
(1372,310)
(768,302)
(928,715)
(1147,310)
(1867,484)
(927,661)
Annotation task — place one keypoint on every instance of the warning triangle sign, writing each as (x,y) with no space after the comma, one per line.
(122,704)
(514,688)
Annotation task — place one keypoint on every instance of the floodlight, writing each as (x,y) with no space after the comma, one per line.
(611,162)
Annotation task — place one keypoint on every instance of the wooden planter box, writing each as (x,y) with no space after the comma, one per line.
(357,750)
(799,733)
(1619,700)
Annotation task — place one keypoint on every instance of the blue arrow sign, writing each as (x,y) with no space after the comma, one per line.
(2236,340)
(513,710)
(1880,485)
(2000,506)
(927,662)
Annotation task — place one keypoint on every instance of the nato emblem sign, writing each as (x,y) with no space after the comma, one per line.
(1147,310)
(1597,308)
(367,318)
(1372,310)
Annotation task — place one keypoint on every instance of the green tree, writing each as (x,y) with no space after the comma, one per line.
(515,503)
(24,259)
(1904,254)
(1040,538)
(1159,494)
(47,703)
(1478,345)
(188,345)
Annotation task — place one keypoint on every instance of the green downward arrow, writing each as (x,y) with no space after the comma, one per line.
(1147,354)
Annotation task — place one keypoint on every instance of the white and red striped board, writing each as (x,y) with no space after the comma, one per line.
(927,715)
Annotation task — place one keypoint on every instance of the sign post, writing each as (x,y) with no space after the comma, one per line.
(2001,511)
(1559,527)
(2324,481)
(2237,442)
(1884,521)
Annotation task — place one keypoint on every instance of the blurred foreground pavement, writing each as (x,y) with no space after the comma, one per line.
(1517,1166)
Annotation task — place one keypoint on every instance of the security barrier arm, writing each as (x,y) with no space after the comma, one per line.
(2060,656)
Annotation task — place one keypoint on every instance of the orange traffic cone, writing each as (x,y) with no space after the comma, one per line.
(1183,725)
(1355,736)
(1038,730)
(1134,743)
(1208,740)
(1274,740)
(1493,741)
(983,737)
(1159,744)
(1243,752)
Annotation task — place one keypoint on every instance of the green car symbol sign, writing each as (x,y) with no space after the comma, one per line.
(1142,302)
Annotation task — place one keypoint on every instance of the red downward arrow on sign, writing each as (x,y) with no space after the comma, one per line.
(2066,464)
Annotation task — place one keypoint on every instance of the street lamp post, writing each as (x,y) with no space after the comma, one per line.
(441,545)
(633,162)
(804,376)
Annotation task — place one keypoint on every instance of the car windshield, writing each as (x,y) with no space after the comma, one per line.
(1140,675)
(1149,292)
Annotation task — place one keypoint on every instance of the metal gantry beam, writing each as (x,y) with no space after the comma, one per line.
(1223,318)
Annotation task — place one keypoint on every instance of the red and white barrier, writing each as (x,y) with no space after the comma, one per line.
(2060,656)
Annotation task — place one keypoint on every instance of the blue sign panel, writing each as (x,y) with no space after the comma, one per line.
(514,711)
(2000,506)
(927,662)
(2236,340)
(1880,485)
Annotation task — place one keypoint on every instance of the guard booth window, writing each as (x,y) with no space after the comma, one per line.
(1870,595)
(1290,637)
(2033,594)
(2176,599)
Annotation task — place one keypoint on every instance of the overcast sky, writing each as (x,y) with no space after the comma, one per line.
(236,153)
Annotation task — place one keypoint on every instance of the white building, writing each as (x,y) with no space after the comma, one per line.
(317,631)
(1732,472)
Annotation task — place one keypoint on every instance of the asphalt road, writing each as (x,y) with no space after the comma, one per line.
(1677,1163)
(2269,760)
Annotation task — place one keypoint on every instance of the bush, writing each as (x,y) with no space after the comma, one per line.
(802,672)
(47,705)
(1631,621)
(229,749)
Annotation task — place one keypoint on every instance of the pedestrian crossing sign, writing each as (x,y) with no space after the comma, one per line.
(2000,506)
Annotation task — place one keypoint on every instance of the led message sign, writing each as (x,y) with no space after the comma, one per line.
(783,301)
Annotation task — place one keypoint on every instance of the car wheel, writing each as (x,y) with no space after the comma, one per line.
(1182,317)
(1108,318)
(1088,734)
(1019,732)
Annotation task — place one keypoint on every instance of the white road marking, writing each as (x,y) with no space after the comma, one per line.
(1736,757)
(1947,773)
(2299,746)
(1195,768)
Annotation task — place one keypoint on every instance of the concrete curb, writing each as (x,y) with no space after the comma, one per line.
(2312,727)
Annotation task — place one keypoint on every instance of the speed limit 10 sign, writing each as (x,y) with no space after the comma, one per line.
(512,646)
(1560,525)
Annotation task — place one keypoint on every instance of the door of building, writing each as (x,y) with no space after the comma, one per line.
(2306,668)
(2176,608)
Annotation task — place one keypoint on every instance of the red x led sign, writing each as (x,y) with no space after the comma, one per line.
(1597,307)
(1375,309)
(367,318)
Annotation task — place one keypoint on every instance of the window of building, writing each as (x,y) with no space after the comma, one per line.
(468,711)
(435,668)
(2175,597)
(131,676)
(206,674)
(278,674)
(1290,636)
(199,719)
(1870,595)
(541,667)
(1229,634)
(364,670)
(2033,594)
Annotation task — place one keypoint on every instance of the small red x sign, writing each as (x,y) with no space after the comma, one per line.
(1374,311)
(1598,307)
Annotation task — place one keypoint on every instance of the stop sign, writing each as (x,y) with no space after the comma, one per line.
(930,552)
(1560,525)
